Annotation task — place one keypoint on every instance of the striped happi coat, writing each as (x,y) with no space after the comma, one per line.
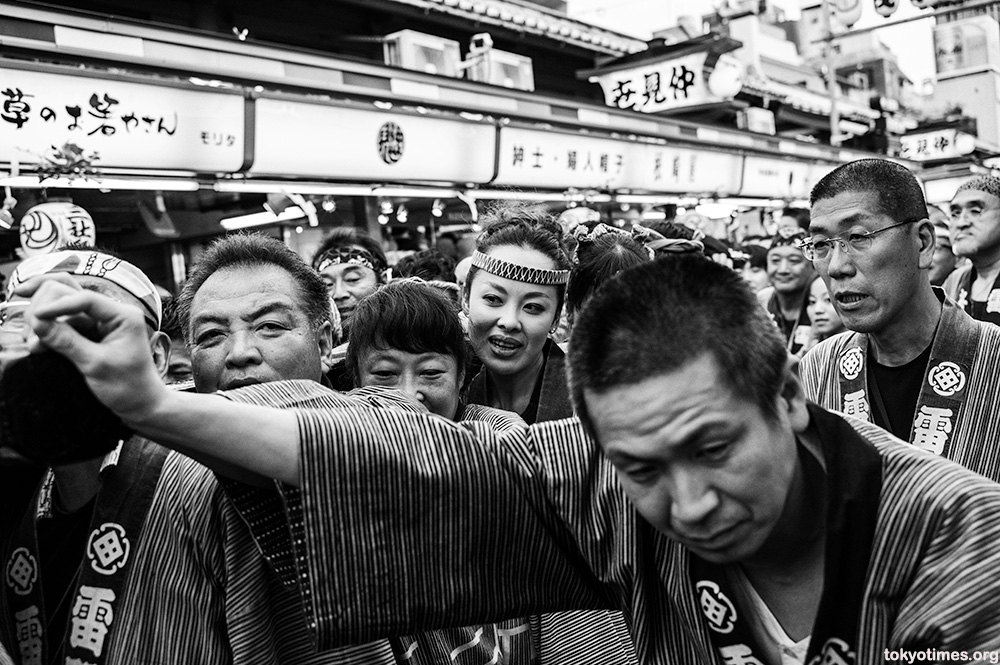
(565,638)
(197,591)
(411,523)
(975,434)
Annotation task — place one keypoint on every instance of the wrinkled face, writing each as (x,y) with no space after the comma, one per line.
(348,283)
(756,276)
(509,321)
(824,317)
(701,465)
(975,224)
(434,379)
(870,289)
(249,325)
(788,269)
(179,367)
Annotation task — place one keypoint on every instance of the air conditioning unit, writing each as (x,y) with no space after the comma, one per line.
(756,119)
(423,53)
(503,68)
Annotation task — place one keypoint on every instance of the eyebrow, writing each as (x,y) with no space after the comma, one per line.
(530,294)
(850,219)
(266,308)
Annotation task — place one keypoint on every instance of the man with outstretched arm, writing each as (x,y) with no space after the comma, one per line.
(727,518)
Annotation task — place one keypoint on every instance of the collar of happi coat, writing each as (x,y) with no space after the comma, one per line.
(128,485)
(942,390)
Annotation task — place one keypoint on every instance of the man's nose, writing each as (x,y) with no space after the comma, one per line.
(693,499)
(242,350)
(841,262)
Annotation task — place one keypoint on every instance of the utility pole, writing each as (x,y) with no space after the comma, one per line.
(831,73)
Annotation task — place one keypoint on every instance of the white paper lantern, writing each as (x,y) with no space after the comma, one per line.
(48,226)
(886,7)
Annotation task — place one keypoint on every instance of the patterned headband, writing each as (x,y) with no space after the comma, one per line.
(788,236)
(517,272)
(350,255)
(94,264)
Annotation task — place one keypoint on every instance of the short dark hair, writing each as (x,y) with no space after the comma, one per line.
(800,215)
(599,261)
(426,264)
(246,250)
(344,236)
(532,227)
(408,315)
(171,323)
(659,316)
(897,192)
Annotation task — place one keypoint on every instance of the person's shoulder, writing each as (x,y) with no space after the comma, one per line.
(819,356)
(287,394)
(498,419)
(918,477)
(764,295)
(953,281)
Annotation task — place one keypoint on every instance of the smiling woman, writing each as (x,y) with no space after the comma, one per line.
(513,296)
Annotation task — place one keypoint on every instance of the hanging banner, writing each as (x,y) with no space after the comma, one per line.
(295,138)
(673,83)
(779,178)
(128,124)
(547,159)
(688,172)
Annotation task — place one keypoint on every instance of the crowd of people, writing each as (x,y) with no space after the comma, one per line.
(583,444)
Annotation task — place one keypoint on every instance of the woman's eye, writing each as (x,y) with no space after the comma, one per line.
(492,299)
(534,308)
(432,373)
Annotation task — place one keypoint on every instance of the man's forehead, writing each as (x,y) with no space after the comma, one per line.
(108,288)
(242,289)
(967,196)
(844,209)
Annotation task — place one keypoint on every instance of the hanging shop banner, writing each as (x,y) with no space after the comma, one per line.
(672,84)
(127,124)
(547,159)
(295,138)
(777,178)
(939,144)
(687,171)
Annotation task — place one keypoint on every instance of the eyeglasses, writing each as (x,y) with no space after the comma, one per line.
(820,250)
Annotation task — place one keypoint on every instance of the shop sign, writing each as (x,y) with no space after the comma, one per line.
(304,139)
(128,124)
(547,159)
(777,178)
(939,144)
(967,46)
(671,84)
(687,171)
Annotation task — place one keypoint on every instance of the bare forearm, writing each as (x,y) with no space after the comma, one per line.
(223,434)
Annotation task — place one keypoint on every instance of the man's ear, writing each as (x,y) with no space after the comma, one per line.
(925,234)
(159,346)
(793,397)
(324,339)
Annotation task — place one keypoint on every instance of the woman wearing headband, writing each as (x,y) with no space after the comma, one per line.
(513,296)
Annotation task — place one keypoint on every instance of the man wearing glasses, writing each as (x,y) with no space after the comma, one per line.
(912,361)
